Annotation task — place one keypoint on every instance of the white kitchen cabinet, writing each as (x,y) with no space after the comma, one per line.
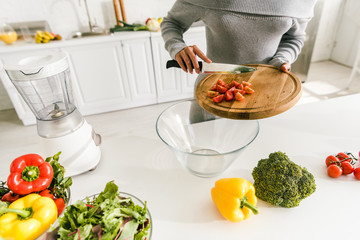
(99,77)
(140,70)
(174,84)
(113,75)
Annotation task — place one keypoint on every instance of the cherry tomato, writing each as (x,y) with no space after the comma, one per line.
(331,159)
(213,88)
(46,193)
(212,93)
(357,173)
(347,168)
(219,98)
(60,204)
(334,171)
(343,156)
(229,95)
(10,197)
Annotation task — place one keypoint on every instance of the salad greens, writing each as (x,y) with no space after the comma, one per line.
(109,216)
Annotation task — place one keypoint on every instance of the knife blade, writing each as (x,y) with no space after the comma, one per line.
(209,68)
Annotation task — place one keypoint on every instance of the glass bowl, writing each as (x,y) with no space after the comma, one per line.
(43,235)
(52,233)
(204,144)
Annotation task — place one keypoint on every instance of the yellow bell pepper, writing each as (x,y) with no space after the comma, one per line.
(27,218)
(235,198)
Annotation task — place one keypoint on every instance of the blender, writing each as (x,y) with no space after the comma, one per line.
(44,83)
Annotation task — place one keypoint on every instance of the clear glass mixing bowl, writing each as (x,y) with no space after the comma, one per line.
(204,144)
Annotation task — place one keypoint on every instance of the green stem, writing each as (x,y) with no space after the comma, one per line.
(30,173)
(245,203)
(22,213)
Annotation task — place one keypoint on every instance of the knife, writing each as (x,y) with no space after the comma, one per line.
(209,68)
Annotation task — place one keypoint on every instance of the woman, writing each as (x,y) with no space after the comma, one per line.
(239,31)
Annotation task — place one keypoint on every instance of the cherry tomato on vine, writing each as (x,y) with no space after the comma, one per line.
(331,159)
(357,173)
(60,204)
(10,197)
(347,168)
(343,156)
(334,171)
(46,193)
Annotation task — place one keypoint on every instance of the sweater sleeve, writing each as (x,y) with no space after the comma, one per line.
(181,16)
(291,43)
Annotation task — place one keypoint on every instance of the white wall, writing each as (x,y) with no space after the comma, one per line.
(347,38)
(327,31)
(66,16)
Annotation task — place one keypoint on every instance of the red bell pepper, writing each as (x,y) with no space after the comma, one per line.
(29,173)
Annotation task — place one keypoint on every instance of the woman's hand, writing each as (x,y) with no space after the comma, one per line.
(285,67)
(187,58)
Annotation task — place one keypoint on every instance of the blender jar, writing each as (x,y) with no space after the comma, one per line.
(44,83)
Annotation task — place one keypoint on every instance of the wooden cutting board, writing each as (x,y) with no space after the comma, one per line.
(275,92)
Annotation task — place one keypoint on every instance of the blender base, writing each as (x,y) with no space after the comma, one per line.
(79,151)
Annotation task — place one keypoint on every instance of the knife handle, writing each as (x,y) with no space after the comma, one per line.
(174,63)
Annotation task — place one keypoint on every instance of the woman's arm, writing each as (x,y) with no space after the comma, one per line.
(291,44)
(179,19)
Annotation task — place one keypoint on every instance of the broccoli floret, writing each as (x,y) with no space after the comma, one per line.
(281,182)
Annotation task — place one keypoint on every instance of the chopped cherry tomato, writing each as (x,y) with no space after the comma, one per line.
(232,89)
(221,83)
(249,90)
(219,98)
(234,84)
(239,96)
(240,86)
(334,171)
(246,83)
(347,168)
(213,88)
(10,197)
(357,173)
(212,93)
(229,95)
(221,89)
(331,160)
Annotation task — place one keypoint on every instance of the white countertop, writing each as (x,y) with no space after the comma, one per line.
(181,204)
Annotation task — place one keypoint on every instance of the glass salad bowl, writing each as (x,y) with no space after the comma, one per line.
(205,144)
(89,202)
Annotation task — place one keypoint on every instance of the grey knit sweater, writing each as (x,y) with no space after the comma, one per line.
(242,31)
